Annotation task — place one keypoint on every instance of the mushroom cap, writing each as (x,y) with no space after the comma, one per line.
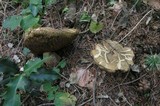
(112,56)
(46,39)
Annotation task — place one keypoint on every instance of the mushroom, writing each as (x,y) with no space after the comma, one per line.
(112,56)
(46,39)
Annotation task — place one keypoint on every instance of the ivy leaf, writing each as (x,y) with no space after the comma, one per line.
(64,99)
(12,22)
(48,87)
(7,66)
(85,17)
(11,98)
(50,90)
(29,21)
(95,27)
(32,65)
(44,75)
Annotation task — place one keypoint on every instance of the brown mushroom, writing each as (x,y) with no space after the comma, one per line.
(46,39)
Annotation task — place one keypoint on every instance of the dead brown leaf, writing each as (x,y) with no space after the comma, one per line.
(82,77)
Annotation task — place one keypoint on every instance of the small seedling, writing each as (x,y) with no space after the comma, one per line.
(95,27)
(153,62)
(85,17)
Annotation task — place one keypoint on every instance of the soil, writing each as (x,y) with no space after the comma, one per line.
(121,89)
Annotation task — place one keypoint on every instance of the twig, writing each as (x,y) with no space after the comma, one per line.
(115,19)
(85,102)
(112,101)
(94,90)
(136,25)
(93,1)
(98,97)
(85,31)
(25,99)
(47,104)
(126,83)
(131,10)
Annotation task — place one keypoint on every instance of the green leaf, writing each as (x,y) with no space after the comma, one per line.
(12,22)
(64,99)
(25,51)
(85,17)
(29,21)
(26,11)
(50,2)
(50,90)
(65,10)
(62,64)
(11,97)
(35,2)
(95,27)
(44,75)
(7,66)
(55,69)
(34,9)
(32,65)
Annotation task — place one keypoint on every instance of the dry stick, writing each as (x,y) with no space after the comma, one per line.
(91,5)
(136,25)
(99,97)
(115,19)
(46,104)
(94,91)
(126,83)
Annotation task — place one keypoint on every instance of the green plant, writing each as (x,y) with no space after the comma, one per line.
(29,17)
(15,82)
(153,62)
(60,98)
(95,27)
(85,17)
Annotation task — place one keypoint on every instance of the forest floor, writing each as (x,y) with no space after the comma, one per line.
(135,25)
